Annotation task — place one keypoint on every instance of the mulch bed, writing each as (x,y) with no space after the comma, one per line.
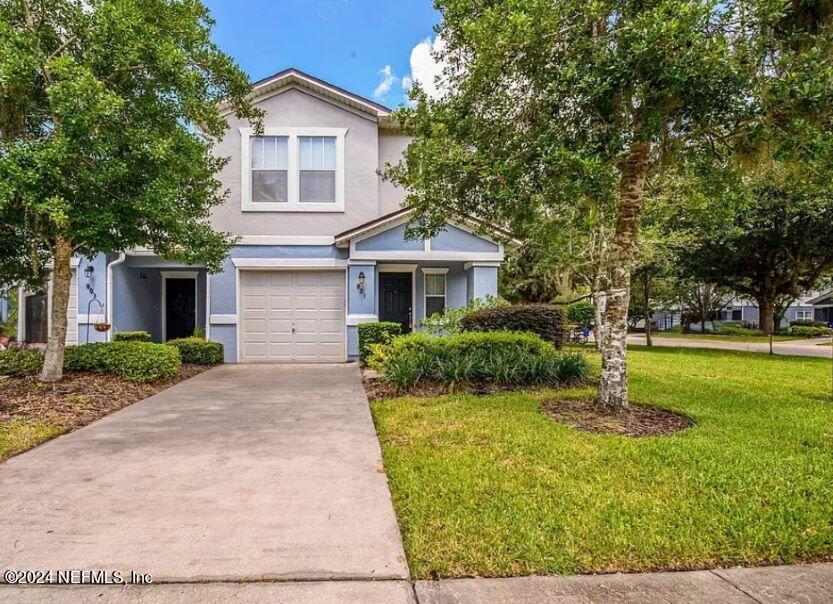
(595,418)
(378,389)
(79,398)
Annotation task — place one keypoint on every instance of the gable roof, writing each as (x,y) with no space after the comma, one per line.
(392,219)
(296,77)
(825,297)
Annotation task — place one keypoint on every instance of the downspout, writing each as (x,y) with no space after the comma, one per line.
(110,314)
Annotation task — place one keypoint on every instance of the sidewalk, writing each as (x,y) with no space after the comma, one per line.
(819,347)
(807,584)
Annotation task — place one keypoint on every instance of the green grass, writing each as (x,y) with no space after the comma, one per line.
(489,486)
(722,337)
(18,435)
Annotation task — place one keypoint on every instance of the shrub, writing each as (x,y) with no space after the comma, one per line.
(135,361)
(499,357)
(198,350)
(449,321)
(199,332)
(581,312)
(810,332)
(375,333)
(543,320)
(20,362)
(807,323)
(132,336)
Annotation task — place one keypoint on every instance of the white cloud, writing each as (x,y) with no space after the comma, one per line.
(425,66)
(388,79)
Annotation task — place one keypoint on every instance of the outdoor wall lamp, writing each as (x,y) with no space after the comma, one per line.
(88,272)
(360,284)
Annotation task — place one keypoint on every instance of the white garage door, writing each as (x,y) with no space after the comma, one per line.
(292,316)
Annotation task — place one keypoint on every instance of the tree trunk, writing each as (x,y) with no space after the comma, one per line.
(613,389)
(53,362)
(766,314)
(646,291)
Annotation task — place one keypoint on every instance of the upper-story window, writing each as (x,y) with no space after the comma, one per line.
(293,170)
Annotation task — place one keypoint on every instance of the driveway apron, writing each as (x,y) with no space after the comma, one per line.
(245,472)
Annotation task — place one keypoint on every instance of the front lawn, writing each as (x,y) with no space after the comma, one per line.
(491,486)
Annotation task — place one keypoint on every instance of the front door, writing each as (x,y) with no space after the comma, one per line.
(396,299)
(180,308)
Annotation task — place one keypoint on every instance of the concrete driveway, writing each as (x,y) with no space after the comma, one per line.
(244,472)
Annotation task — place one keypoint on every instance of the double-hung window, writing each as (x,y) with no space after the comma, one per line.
(293,170)
(804,315)
(435,290)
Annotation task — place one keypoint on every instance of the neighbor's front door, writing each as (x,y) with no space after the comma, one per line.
(396,299)
(180,308)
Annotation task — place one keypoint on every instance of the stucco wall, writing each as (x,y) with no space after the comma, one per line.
(391,147)
(294,108)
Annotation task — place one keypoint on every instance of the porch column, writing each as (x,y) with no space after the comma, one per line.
(481,280)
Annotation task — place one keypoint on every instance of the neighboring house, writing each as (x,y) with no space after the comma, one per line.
(322,246)
(822,307)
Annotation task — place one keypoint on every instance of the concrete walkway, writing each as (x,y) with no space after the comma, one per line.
(814,347)
(243,473)
(808,584)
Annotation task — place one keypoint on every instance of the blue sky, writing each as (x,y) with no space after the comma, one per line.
(346,42)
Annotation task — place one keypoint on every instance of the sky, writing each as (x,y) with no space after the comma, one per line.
(372,48)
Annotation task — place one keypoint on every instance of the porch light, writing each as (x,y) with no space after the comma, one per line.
(360,284)
(88,272)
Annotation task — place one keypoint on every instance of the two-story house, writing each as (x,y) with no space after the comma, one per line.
(321,249)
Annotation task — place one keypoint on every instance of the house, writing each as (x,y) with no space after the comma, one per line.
(822,306)
(322,244)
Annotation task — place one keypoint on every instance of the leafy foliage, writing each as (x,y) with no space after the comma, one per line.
(541,319)
(810,332)
(198,350)
(450,320)
(19,362)
(500,357)
(135,361)
(132,336)
(371,334)
(580,312)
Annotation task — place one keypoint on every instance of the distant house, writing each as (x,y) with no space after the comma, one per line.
(822,306)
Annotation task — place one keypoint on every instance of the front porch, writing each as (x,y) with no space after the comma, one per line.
(165,298)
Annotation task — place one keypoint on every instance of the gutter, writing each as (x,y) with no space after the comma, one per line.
(109,315)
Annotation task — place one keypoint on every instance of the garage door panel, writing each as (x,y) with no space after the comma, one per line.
(275,301)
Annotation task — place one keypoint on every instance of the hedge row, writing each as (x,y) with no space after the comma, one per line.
(503,358)
(132,336)
(542,319)
(375,333)
(135,361)
(198,350)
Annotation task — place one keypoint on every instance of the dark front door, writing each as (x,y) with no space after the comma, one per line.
(36,318)
(395,299)
(180,306)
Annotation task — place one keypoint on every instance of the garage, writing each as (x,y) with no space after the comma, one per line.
(292,316)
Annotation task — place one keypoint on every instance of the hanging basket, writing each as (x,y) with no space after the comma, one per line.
(102,327)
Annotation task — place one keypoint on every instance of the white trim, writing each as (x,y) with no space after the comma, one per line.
(74,262)
(293,203)
(179,274)
(164,309)
(289,263)
(430,270)
(110,307)
(469,265)
(90,319)
(422,255)
(353,320)
(396,268)
(21,315)
(425,273)
(223,319)
(285,240)
(361,262)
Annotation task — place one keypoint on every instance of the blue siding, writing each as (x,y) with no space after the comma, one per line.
(390,240)
(358,303)
(453,239)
